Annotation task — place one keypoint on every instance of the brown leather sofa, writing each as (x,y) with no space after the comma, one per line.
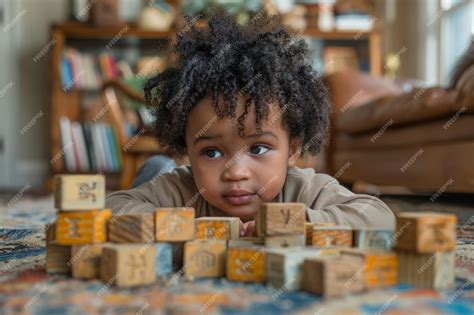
(422,140)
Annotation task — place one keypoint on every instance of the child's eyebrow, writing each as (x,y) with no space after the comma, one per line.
(255,135)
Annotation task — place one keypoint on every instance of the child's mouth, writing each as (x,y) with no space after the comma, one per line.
(239,196)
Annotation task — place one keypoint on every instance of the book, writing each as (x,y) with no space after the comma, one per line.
(67,143)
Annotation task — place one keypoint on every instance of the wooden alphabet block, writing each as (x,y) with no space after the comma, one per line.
(57,258)
(79,192)
(332,276)
(218,228)
(85,261)
(328,236)
(174,224)
(132,228)
(281,219)
(309,229)
(128,265)
(380,267)
(285,241)
(425,232)
(283,266)
(204,259)
(246,263)
(433,271)
(246,241)
(82,227)
(164,259)
(50,233)
(373,239)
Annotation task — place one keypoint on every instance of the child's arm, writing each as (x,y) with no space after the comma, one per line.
(335,203)
(174,189)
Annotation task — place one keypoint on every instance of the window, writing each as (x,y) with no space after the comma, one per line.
(457,28)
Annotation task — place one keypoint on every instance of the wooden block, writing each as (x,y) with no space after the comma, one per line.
(50,231)
(309,229)
(246,263)
(85,261)
(283,266)
(332,276)
(174,224)
(246,241)
(164,259)
(132,228)
(281,219)
(204,259)
(82,227)
(425,232)
(285,241)
(433,271)
(79,192)
(218,228)
(373,239)
(57,258)
(128,265)
(328,236)
(380,267)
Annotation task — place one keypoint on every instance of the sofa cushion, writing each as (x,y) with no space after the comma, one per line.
(455,128)
(352,89)
(416,106)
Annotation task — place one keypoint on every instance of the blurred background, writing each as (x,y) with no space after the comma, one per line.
(400,75)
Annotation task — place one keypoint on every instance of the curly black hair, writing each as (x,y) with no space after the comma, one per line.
(263,61)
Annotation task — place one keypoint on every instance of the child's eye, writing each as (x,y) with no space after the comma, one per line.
(212,153)
(258,149)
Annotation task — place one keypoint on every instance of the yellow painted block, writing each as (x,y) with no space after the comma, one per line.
(309,226)
(218,228)
(82,227)
(174,224)
(329,236)
(246,264)
(380,267)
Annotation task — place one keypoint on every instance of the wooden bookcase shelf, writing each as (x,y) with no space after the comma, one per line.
(67,103)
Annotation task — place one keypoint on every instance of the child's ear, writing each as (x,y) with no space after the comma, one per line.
(295,152)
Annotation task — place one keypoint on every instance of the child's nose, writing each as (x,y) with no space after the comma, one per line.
(238,170)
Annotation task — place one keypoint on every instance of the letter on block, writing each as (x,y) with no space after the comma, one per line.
(332,276)
(79,192)
(281,219)
(309,226)
(285,241)
(283,267)
(174,224)
(82,227)
(85,261)
(204,258)
(58,258)
(246,264)
(426,232)
(128,265)
(373,239)
(434,271)
(380,267)
(329,236)
(132,228)
(218,228)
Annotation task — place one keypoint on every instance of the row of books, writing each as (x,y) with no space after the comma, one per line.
(89,146)
(89,71)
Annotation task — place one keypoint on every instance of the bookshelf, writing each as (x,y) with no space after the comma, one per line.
(82,36)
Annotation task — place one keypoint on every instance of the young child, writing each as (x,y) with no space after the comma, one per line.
(243,103)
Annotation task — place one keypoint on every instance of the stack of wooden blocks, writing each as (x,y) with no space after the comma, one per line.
(426,249)
(134,249)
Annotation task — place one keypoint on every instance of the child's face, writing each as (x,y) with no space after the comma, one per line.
(224,163)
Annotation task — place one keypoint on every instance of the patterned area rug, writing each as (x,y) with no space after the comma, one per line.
(25,288)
